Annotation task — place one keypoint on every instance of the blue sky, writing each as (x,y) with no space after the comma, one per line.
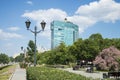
(92,16)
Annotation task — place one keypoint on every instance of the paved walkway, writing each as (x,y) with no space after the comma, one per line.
(83,73)
(19,74)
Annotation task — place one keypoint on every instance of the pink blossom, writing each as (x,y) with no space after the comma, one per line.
(107,58)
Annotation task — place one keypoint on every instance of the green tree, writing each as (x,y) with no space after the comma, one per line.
(98,39)
(116,42)
(89,49)
(59,55)
(43,58)
(63,54)
(86,49)
(76,49)
(12,59)
(31,50)
(19,58)
(4,58)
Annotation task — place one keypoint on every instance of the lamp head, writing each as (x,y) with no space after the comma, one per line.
(21,47)
(43,25)
(27,24)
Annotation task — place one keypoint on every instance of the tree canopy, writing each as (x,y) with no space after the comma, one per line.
(4,58)
(107,59)
(86,49)
(19,58)
(30,51)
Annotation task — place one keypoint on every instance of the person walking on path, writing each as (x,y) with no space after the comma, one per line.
(19,74)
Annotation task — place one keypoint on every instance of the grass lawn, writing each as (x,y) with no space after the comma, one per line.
(6,72)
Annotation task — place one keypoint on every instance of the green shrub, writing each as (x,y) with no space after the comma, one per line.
(4,67)
(23,65)
(45,73)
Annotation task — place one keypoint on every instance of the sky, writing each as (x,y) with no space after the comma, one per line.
(92,16)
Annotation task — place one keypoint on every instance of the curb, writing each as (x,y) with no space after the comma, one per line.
(12,75)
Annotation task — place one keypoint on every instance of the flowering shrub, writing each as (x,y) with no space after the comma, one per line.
(107,59)
(45,73)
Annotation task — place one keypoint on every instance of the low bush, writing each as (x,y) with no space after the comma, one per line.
(23,65)
(4,67)
(45,73)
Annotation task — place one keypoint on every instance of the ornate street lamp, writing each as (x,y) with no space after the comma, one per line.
(27,24)
(35,33)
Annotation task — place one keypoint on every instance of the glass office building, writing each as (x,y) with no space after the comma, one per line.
(63,31)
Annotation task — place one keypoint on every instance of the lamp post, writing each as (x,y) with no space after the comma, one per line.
(35,33)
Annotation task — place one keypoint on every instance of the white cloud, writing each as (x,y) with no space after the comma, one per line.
(46,15)
(84,17)
(13,28)
(29,2)
(7,35)
(16,54)
(82,21)
(102,10)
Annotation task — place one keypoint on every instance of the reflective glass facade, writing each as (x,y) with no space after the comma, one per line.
(63,31)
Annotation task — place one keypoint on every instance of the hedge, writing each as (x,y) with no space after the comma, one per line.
(2,67)
(45,73)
